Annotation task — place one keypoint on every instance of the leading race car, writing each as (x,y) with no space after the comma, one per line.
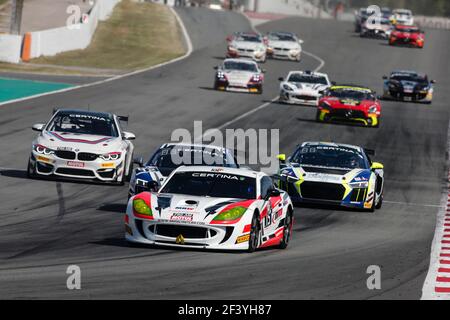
(247,45)
(408,86)
(284,45)
(239,75)
(350,103)
(407,35)
(150,176)
(331,173)
(303,87)
(84,145)
(212,208)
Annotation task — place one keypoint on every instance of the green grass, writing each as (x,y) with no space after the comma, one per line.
(137,35)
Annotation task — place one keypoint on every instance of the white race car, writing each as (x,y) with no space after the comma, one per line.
(402,16)
(239,75)
(83,145)
(303,87)
(247,45)
(284,45)
(212,208)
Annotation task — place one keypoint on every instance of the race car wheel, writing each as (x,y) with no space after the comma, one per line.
(255,233)
(286,230)
(380,202)
(260,90)
(31,172)
(130,170)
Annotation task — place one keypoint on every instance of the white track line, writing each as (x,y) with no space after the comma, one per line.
(431,285)
(187,39)
(415,204)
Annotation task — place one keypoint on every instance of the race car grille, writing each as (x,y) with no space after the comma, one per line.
(75,172)
(188,232)
(325,170)
(348,113)
(303,97)
(70,155)
(85,156)
(358,195)
(281,49)
(322,191)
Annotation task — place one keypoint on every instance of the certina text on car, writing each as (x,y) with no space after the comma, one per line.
(284,45)
(212,208)
(84,145)
(303,87)
(151,175)
(240,76)
(247,45)
(331,173)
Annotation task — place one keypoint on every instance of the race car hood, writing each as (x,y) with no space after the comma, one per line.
(79,142)
(410,35)
(247,45)
(284,44)
(237,76)
(348,103)
(327,175)
(307,88)
(177,208)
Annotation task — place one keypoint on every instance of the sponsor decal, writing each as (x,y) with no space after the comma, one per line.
(180,239)
(108,165)
(64,148)
(181,216)
(43,159)
(243,238)
(76,164)
(367,205)
(214,175)
(182,221)
(184,208)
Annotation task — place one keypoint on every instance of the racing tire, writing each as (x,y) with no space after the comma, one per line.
(260,90)
(288,221)
(255,233)
(380,203)
(31,174)
(130,170)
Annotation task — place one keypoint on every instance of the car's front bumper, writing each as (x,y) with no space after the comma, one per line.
(343,115)
(424,96)
(251,54)
(284,54)
(299,98)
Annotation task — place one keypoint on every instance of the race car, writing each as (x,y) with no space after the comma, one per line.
(408,86)
(361,16)
(350,103)
(82,144)
(247,45)
(303,87)
(149,176)
(380,30)
(239,75)
(402,17)
(284,45)
(332,173)
(212,208)
(407,35)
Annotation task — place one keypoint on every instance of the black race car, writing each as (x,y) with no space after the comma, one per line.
(408,86)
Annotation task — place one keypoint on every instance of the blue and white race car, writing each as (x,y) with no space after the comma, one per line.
(330,173)
(150,176)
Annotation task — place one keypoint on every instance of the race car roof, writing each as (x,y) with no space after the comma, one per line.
(310,73)
(223,170)
(86,112)
(247,61)
(332,144)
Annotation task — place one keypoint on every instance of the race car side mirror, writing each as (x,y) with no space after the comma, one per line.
(333,83)
(216,67)
(281,157)
(128,136)
(228,38)
(385,77)
(280,79)
(377,166)
(433,81)
(300,41)
(263,70)
(38,127)
(272,193)
(139,161)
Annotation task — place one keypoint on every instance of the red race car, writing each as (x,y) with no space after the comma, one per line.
(349,103)
(407,35)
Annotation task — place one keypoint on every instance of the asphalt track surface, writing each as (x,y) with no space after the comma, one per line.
(47,225)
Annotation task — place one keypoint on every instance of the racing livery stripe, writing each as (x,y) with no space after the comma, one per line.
(78,140)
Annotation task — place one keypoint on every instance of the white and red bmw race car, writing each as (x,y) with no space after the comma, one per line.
(239,75)
(82,144)
(212,208)
(247,45)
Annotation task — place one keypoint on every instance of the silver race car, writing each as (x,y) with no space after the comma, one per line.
(239,75)
(247,45)
(284,45)
(303,87)
(83,145)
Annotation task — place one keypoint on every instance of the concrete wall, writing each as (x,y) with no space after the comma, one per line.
(10,48)
(53,41)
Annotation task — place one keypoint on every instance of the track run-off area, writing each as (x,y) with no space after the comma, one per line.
(47,225)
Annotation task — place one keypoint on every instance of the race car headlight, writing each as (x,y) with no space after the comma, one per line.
(359,185)
(373,109)
(43,149)
(256,78)
(110,156)
(287,88)
(325,105)
(231,214)
(141,207)
(221,75)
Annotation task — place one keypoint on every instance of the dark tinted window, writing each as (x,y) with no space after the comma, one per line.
(330,157)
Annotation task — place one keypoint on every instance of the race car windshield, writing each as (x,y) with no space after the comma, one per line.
(330,157)
(235,65)
(409,30)
(248,38)
(351,94)
(409,78)
(83,123)
(209,184)
(301,78)
(168,159)
(282,37)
